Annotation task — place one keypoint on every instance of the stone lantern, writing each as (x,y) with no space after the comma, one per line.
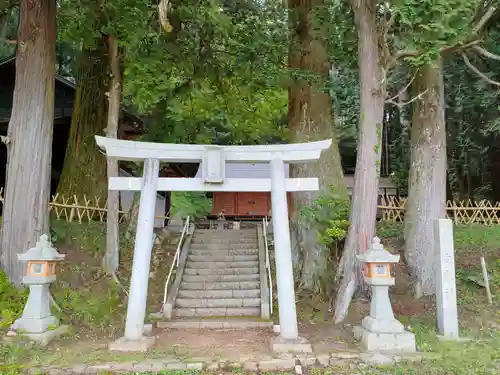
(37,321)
(380,331)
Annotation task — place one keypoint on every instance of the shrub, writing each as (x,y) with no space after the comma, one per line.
(329,215)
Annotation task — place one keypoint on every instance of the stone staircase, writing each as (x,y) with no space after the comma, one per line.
(224,277)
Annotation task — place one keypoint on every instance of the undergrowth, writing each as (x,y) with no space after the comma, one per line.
(11,301)
(88,298)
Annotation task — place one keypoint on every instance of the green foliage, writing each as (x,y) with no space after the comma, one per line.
(225,114)
(473,124)
(215,78)
(426,27)
(193,204)
(11,301)
(9,16)
(329,214)
(342,44)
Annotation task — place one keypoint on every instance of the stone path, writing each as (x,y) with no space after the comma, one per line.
(294,364)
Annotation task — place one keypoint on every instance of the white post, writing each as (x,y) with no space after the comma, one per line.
(136,309)
(446,293)
(283,252)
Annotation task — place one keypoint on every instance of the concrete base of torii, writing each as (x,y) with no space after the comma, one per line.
(125,345)
(299,345)
(280,344)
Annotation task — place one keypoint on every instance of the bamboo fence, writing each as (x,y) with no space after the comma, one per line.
(461,212)
(83,209)
(391,208)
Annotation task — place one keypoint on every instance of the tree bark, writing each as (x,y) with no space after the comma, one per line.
(365,191)
(427,181)
(84,171)
(310,118)
(112,244)
(29,136)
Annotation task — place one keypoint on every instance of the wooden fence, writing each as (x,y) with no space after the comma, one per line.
(462,212)
(72,208)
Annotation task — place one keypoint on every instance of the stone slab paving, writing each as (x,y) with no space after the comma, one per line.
(286,362)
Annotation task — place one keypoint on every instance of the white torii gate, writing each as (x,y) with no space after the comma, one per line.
(213,159)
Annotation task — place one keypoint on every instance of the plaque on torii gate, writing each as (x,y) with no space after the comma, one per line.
(212,159)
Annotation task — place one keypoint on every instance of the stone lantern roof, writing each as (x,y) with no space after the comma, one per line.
(377,254)
(43,250)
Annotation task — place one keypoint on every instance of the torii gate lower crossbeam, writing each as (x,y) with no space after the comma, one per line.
(213,160)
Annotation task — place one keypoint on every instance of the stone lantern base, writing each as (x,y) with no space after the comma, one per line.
(45,337)
(384,336)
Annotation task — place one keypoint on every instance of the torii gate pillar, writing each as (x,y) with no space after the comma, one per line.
(283,253)
(289,339)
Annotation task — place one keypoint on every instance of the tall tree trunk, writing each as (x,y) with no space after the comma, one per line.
(84,171)
(112,243)
(310,118)
(427,181)
(365,191)
(29,136)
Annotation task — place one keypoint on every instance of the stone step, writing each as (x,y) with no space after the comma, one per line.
(222,271)
(219,253)
(224,293)
(202,240)
(227,323)
(223,258)
(218,278)
(234,246)
(220,285)
(227,231)
(213,264)
(215,311)
(217,302)
(225,237)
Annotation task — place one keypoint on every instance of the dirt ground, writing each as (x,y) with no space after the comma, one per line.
(198,345)
(231,345)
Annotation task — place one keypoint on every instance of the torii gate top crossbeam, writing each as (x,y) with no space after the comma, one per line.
(182,153)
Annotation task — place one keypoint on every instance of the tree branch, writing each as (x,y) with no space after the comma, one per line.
(486,16)
(478,72)
(403,90)
(163,8)
(485,53)
(402,104)
(460,46)
(8,41)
